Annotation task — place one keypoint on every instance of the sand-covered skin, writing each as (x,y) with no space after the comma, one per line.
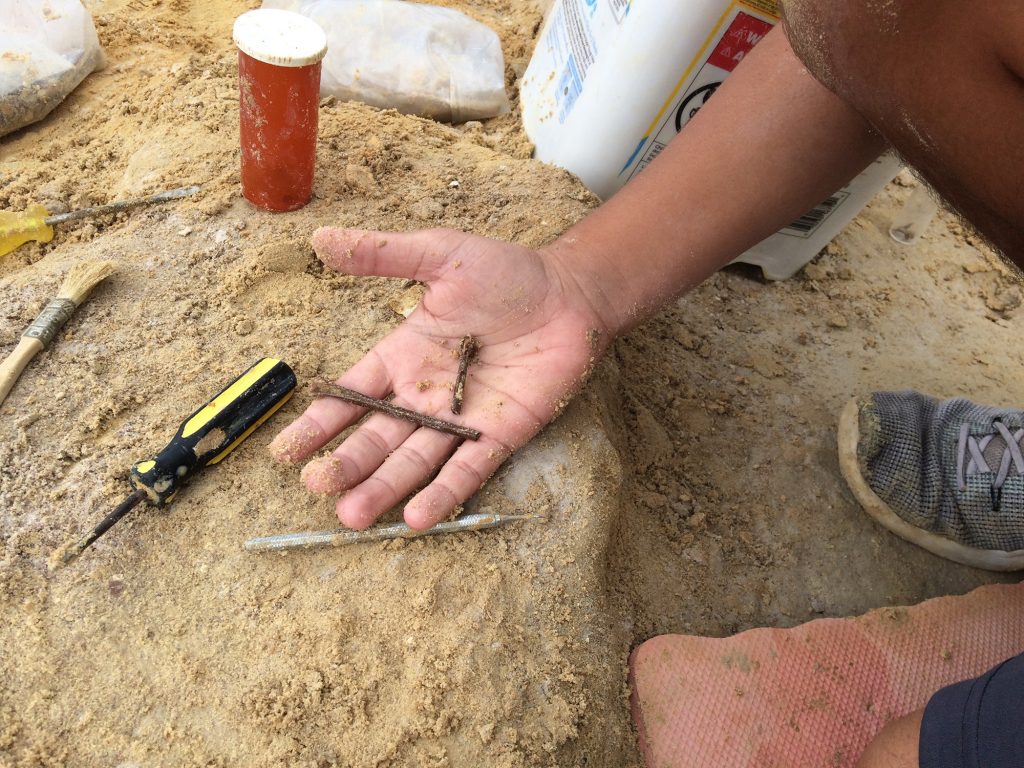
(166,644)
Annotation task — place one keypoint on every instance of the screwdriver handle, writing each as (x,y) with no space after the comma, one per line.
(16,229)
(216,429)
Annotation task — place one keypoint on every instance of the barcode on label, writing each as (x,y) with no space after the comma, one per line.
(808,224)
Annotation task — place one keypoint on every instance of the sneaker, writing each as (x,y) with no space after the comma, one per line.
(946,475)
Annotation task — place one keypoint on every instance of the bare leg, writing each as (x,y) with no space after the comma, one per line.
(942,81)
(896,745)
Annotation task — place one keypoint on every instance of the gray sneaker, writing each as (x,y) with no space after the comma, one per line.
(947,475)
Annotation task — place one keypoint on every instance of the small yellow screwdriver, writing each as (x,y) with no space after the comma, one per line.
(203,439)
(36,223)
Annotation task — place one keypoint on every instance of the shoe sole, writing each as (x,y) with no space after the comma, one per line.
(849,437)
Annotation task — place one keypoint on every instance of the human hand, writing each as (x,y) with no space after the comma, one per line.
(537,333)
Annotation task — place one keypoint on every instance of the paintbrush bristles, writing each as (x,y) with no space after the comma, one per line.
(83,277)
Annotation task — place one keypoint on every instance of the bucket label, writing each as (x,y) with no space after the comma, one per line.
(731,42)
(570,41)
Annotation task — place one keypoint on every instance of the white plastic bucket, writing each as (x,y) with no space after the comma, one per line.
(611,82)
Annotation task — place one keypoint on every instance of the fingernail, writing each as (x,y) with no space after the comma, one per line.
(281,447)
(320,238)
(334,246)
(293,443)
(324,476)
(352,517)
(420,515)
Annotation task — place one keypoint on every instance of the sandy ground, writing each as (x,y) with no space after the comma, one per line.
(692,488)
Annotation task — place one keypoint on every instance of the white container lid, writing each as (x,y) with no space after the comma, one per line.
(278,37)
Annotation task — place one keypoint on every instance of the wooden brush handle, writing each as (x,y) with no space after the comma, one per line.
(11,368)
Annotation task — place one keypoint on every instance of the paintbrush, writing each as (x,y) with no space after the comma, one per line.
(75,289)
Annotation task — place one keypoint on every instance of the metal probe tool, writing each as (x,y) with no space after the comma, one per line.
(203,439)
(319,539)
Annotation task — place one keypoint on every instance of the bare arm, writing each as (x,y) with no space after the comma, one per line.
(771,144)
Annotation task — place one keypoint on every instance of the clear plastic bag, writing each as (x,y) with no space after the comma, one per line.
(418,59)
(47,47)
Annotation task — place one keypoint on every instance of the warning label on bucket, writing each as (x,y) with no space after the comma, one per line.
(734,40)
(743,34)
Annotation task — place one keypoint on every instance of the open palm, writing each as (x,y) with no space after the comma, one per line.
(537,336)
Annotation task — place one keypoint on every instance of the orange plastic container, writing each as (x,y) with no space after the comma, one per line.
(279,59)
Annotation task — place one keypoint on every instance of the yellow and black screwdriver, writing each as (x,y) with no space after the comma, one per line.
(204,438)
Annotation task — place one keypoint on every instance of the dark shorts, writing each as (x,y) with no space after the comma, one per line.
(977,723)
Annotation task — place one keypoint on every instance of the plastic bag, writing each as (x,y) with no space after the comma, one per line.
(47,47)
(418,59)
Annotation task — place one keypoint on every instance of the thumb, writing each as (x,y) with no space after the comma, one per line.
(415,255)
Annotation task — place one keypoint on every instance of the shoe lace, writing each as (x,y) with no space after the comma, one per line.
(970,454)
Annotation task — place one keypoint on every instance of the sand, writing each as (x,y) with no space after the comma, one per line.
(692,487)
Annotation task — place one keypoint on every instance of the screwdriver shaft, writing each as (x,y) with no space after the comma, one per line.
(121,205)
(68,553)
